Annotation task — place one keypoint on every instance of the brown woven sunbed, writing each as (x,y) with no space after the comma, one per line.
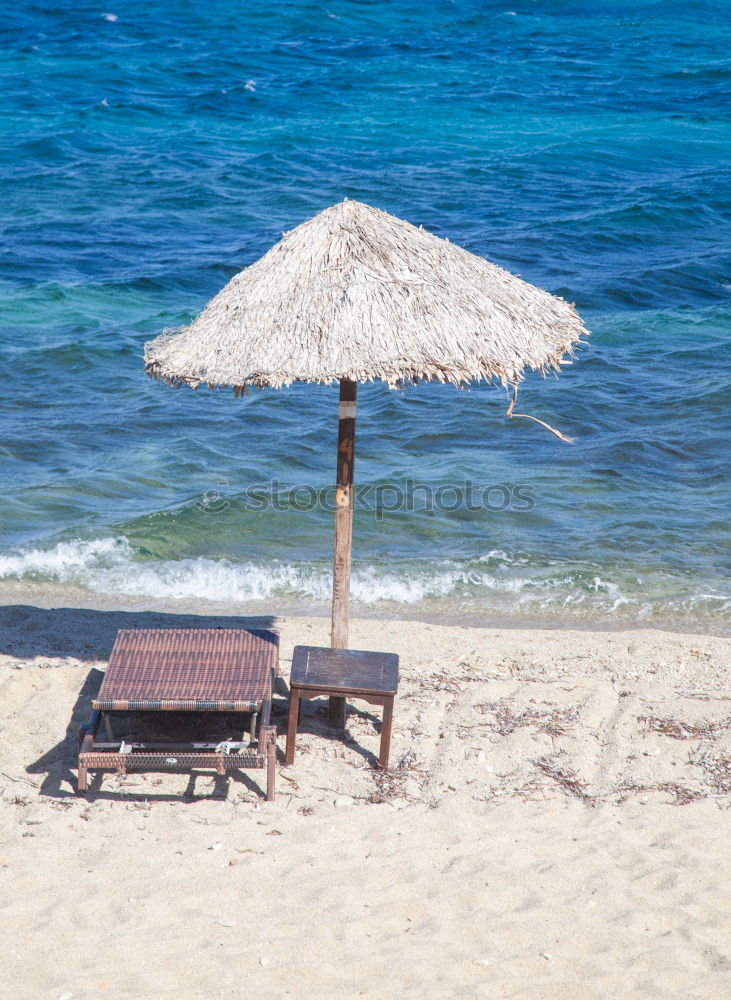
(185,670)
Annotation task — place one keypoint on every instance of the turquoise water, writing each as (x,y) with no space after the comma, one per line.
(149,151)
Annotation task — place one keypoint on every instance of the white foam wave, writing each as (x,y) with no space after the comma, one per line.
(112,566)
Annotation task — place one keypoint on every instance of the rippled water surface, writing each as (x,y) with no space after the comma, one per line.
(152,150)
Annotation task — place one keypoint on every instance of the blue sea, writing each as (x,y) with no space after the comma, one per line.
(152,150)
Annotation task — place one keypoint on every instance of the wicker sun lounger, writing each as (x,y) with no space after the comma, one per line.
(185,670)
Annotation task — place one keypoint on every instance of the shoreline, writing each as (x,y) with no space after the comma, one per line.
(54,597)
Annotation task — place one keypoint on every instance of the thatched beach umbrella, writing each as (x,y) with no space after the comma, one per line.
(355,295)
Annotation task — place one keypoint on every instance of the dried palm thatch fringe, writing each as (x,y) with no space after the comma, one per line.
(358,294)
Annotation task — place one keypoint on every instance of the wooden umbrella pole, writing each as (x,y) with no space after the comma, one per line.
(344,500)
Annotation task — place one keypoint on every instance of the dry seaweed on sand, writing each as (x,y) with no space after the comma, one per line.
(565,778)
(389,783)
(679,730)
(682,794)
(716,768)
(547,718)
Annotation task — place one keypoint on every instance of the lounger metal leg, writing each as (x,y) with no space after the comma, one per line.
(87,735)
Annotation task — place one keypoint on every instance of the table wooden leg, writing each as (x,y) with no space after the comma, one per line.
(386,732)
(294,701)
(271,769)
(336,712)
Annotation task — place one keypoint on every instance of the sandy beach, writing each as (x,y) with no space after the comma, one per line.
(555,824)
(412,317)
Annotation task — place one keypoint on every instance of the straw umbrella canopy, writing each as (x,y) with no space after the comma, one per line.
(354,295)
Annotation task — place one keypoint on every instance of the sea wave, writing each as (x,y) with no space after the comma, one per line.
(497,583)
(113,566)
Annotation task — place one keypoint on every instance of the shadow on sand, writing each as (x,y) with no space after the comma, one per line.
(88,635)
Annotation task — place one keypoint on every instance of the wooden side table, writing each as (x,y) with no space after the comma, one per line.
(318,671)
